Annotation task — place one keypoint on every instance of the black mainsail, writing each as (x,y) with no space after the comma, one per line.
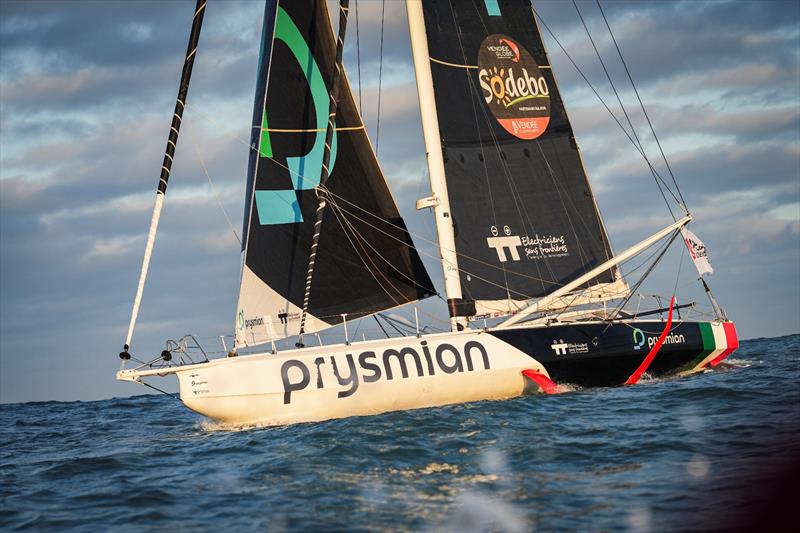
(364,263)
(524,215)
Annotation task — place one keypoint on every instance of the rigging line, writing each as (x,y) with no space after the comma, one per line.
(380,82)
(483,160)
(419,237)
(645,261)
(567,307)
(608,75)
(619,100)
(637,267)
(437,256)
(354,335)
(210,183)
(525,296)
(361,238)
(375,316)
(427,241)
(166,166)
(602,101)
(628,72)
(326,155)
(447,64)
(678,274)
(358,237)
(523,213)
(371,271)
(515,195)
(638,284)
(175,396)
(550,171)
(433,256)
(391,323)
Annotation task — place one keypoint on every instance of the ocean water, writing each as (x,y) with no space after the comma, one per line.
(714,451)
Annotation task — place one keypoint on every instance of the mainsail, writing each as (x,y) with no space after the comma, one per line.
(365,261)
(524,216)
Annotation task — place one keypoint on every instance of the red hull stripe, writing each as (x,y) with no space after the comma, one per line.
(545,383)
(731,340)
(637,375)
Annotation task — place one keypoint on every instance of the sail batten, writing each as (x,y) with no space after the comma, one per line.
(290,118)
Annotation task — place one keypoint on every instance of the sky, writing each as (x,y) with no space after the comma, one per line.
(87,90)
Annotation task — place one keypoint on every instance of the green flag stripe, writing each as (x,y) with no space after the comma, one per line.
(707,333)
(265,146)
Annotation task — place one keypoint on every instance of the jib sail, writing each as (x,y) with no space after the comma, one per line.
(524,215)
(365,262)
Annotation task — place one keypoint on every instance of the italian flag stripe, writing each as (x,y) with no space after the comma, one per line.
(719,341)
(709,345)
(731,343)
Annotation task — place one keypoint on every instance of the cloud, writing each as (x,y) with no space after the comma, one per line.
(86,97)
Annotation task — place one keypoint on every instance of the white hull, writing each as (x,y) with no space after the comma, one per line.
(364,378)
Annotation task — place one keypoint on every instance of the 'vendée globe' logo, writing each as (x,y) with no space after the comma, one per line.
(513,87)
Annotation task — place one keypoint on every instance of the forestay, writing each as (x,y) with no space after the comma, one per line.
(525,217)
(365,261)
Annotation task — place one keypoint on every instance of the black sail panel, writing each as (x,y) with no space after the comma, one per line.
(525,218)
(365,262)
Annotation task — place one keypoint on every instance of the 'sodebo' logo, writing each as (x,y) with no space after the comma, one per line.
(513,87)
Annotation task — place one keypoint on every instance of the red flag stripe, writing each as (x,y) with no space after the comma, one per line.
(731,340)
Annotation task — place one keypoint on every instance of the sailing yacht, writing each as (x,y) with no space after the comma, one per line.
(535,293)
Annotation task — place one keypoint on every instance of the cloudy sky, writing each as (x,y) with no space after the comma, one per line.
(86,95)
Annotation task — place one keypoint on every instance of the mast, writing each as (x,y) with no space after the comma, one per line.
(440,200)
(344,6)
(166,166)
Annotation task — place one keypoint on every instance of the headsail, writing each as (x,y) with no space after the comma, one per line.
(525,217)
(365,262)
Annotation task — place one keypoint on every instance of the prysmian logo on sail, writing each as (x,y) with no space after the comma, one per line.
(394,363)
(248,323)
